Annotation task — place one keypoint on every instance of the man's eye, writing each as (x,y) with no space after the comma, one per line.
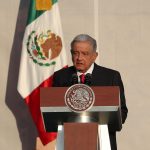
(75,53)
(85,54)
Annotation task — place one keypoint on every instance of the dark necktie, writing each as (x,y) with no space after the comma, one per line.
(82,78)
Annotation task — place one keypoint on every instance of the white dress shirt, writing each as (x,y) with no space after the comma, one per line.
(90,70)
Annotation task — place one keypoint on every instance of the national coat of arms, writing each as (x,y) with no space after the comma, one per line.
(79,97)
(43,48)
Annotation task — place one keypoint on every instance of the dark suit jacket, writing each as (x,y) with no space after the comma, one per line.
(101,76)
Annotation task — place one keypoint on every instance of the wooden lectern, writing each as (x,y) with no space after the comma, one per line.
(81,129)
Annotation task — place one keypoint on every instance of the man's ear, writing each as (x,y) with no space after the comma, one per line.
(95,55)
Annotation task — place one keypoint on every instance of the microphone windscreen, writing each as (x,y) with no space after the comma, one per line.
(88,79)
(74,78)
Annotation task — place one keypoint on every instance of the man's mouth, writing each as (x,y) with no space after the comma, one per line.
(79,63)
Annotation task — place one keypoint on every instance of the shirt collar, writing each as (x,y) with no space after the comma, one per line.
(90,70)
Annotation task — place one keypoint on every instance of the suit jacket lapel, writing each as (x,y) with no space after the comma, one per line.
(97,76)
(94,75)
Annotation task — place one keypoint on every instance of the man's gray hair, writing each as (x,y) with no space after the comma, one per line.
(83,38)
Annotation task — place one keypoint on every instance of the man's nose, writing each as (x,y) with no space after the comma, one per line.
(80,56)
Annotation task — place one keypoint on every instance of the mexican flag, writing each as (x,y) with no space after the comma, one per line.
(43,53)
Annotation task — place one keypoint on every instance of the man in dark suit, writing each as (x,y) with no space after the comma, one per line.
(83,50)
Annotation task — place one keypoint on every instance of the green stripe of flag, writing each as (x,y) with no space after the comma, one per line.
(33,13)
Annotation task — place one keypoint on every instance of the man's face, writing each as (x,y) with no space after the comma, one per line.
(83,56)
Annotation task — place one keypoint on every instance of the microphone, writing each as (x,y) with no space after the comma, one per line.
(74,79)
(88,79)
